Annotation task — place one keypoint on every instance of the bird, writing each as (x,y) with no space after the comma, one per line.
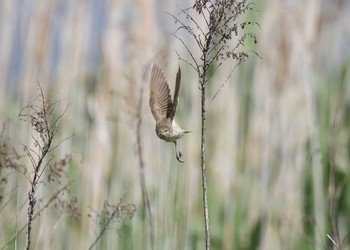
(163,108)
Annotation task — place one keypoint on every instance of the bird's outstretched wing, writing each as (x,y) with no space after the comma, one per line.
(160,99)
(176,94)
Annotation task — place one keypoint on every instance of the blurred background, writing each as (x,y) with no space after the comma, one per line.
(278,133)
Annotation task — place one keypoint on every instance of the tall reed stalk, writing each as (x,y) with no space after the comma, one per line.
(212,25)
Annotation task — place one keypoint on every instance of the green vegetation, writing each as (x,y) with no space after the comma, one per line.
(278,133)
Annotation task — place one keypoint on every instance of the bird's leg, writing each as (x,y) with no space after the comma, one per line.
(180,152)
(178,155)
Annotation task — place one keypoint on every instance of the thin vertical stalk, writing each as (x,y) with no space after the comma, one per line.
(203,167)
(142,169)
(212,34)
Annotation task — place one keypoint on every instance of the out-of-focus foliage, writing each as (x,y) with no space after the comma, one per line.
(278,146)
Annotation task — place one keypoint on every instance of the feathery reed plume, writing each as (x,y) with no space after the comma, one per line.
(121,212)
(212,38)
(41,115)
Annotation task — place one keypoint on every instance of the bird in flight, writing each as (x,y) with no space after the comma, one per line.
(163,108)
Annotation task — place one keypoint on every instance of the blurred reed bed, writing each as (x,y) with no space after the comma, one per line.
(277,132)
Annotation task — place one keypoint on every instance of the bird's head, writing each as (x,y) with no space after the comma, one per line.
(163,132)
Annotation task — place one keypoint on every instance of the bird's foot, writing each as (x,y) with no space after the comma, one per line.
(179,157)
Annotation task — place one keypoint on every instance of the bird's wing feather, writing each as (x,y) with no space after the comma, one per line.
(160,98)
(176,93)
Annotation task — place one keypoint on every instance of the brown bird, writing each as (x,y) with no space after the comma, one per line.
(164,109)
